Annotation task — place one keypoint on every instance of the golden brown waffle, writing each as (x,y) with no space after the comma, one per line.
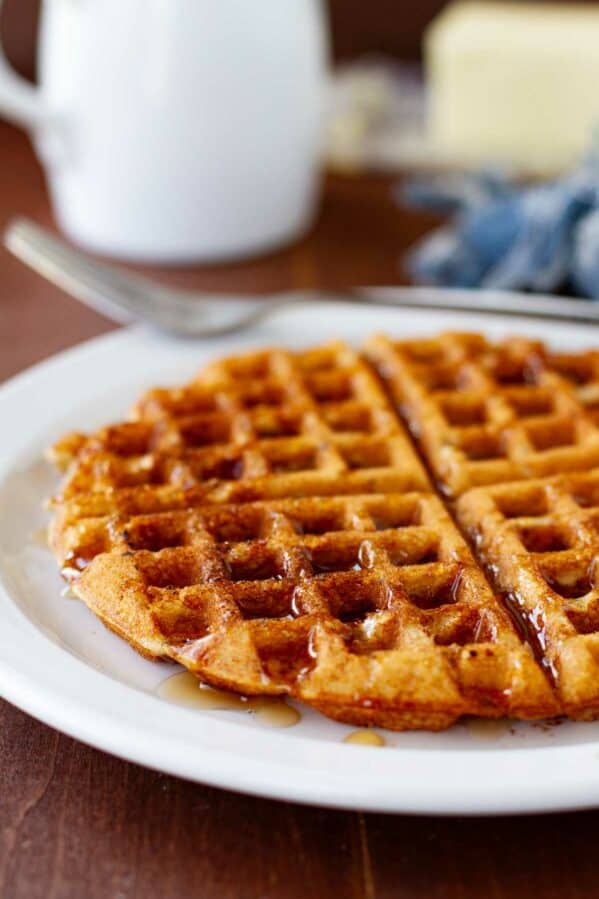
(369,608)
(540,540)
(267,425)
(486,413)
(271,527)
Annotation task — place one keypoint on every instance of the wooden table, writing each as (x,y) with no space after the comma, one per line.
(77,823)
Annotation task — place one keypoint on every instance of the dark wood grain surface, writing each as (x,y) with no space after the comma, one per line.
(76,823)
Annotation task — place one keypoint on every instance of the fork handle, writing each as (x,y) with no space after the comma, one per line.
(104,288)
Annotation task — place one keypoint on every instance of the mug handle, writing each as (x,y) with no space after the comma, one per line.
(20,102)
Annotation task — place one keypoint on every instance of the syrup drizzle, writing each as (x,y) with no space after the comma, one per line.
(365,738)
(186,690)
(532,626)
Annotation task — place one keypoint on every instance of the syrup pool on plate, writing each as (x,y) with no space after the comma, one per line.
(365,738)
(185,689)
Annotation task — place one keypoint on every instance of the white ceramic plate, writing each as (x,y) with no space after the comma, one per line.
(59,664)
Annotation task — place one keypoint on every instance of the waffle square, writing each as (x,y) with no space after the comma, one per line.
(540,541)
(485,413)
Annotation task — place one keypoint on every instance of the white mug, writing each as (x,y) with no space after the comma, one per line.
(177,130)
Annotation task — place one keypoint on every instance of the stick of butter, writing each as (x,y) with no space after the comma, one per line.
(514,83)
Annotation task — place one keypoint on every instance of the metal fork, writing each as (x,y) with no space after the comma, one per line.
(125,297)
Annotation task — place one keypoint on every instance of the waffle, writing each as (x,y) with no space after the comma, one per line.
(487,413)
(271,527)
(368,608)
(540,540)
(262,426)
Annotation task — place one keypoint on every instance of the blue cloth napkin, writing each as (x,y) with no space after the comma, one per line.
(539,238)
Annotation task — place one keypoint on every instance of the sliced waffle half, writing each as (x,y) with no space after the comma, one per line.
(540,541)
(486,413)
